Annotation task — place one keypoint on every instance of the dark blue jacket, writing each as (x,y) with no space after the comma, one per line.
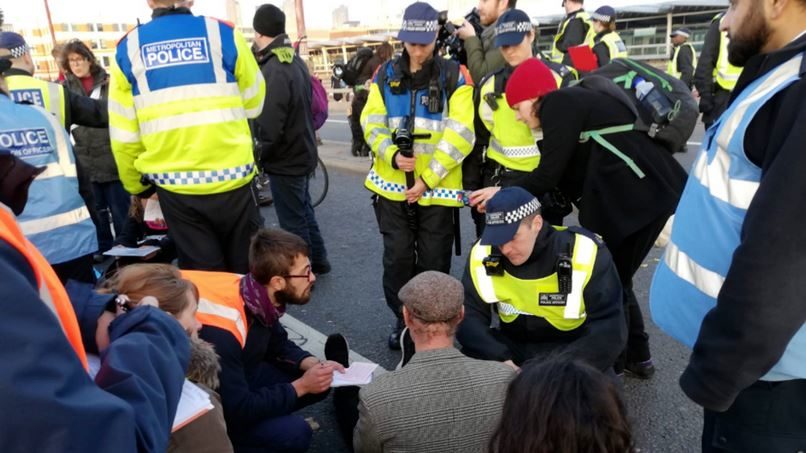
(246,394)
(49,401)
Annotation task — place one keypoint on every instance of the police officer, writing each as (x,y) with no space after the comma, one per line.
(417,187)
(68,107)
(55,220)
(625,195)
(607,43)
(715,77)
(181,90)
(683,58)
(544,290)
(575,29)
(512,153)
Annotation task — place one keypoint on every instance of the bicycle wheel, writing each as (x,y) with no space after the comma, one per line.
(318,183)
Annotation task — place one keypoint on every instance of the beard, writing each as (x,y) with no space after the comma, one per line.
(287,297)
(748,43)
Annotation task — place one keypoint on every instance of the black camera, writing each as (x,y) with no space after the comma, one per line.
(493,264)
(447,39)
(403,137)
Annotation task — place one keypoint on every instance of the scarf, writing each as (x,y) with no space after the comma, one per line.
(256,299)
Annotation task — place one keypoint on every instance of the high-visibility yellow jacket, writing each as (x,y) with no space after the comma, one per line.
(557,55)
(48,95)
(181,90)
(725,74)
(440,156)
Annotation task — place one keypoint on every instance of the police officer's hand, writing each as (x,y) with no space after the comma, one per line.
(316,380)
(479,198)
(511,364)
(405,163)
(416,191)
(466,31)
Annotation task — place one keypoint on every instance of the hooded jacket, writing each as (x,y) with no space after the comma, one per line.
(286,143)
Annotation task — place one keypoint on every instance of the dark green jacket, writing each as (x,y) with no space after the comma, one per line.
(92,146)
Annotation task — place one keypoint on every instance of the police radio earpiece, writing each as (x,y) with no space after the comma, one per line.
(565,269)
(493,264)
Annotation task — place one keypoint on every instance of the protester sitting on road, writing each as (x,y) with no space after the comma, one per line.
(136,232)
(406,410)
(562,406)
(179,298)
(49,401)
(264,375)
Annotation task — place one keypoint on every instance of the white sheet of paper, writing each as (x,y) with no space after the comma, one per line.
(359,373)
(193,403)
(142,251)
(153,211)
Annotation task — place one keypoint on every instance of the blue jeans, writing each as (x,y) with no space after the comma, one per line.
(295,213)
(110,198)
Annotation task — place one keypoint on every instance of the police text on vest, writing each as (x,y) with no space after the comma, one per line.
(26,142)
(176,52)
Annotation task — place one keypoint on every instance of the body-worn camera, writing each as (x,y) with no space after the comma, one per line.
(493,264)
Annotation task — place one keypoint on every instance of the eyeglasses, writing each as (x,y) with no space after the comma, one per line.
(76,60)
(308,274)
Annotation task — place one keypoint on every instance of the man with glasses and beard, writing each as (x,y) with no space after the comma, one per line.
(731,283)
(264,375)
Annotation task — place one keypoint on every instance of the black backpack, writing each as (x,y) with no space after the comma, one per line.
(352,70)
(616,79)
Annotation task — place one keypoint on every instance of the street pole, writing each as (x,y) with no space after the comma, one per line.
(303,46)
(50,24)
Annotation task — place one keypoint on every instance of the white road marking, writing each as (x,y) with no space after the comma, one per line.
(337,121)
(313,341)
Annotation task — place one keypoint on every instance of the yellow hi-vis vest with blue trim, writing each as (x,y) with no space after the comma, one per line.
(181,90)
(614,45)
(438,158)
(725,74)
(511,141)
(671,69)
(556,54)
(538,297)
(48,95)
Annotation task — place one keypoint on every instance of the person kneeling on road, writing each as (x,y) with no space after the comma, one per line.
(545,290)
(264,375)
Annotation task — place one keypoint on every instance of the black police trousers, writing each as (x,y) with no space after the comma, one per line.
(406,253)
(212,232)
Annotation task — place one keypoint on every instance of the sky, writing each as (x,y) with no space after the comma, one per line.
(318,13)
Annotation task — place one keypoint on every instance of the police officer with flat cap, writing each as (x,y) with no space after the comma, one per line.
(534,290)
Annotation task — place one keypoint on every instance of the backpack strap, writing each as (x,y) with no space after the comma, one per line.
(598,137)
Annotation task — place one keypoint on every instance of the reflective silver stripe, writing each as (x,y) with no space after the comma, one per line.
(186,93)
(50,223)
(138,67)
(486,114)
(385,144)
(222,311)
(423,148)
(55,92)
(192,119)
(451,150)
(216,52)
(419,123)
(253,90)
(714,176)
(514,151)
(484,282)
(460,129)
(375,132)
(127,112)
(728,76)
(584,252)
(54,170)
(123,136)
(438,168)
(705,280)
(376,119)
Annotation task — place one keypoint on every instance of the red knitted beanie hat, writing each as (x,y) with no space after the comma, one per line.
(531,79)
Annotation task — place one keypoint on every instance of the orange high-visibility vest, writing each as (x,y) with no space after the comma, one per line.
(220,303)
(51,290)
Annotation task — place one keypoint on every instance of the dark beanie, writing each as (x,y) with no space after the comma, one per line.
(269,21)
